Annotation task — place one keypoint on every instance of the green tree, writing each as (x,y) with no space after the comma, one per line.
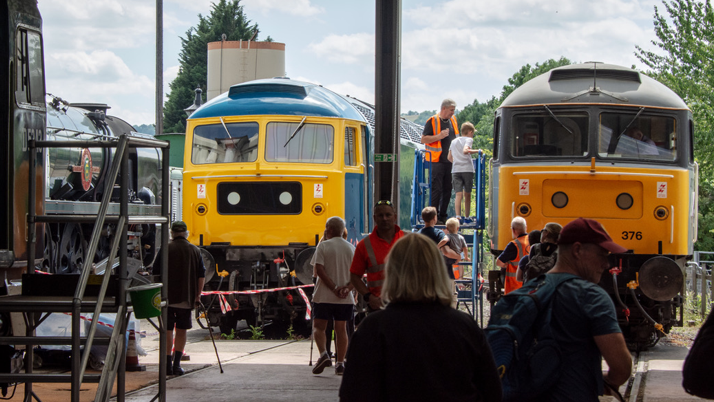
(227,18)
(685,33)
(424,116)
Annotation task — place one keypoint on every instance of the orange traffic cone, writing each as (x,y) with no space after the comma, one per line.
(132,358)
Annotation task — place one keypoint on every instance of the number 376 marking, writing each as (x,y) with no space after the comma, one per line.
(631,235)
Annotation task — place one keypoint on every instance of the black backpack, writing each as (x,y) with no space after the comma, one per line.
(699,365)
(528,358)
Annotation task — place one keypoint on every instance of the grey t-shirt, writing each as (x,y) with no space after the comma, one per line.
(462,162)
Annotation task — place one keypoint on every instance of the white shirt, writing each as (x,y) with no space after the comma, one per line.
(335,255)
(463,163)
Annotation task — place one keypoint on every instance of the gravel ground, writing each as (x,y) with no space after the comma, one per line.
(681,336)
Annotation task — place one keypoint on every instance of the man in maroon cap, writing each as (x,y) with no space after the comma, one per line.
(584,319)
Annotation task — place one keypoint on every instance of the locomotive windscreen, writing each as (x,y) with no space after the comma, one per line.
(293,142)
(543,134)
(225,143)
(260,198)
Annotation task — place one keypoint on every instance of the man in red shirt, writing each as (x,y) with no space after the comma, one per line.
(372,251)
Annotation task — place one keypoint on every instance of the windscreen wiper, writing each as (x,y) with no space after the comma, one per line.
(614,141)
(558,120)
(225,128)
(302,122)
(642,109)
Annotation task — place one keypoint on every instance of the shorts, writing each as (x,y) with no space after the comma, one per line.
(333,311)
(462,181)
(180,317)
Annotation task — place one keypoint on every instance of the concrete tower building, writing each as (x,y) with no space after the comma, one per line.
(233,62)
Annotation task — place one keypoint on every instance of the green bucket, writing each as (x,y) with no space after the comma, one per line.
(146,300)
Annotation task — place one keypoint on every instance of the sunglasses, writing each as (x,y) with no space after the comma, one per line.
(383,202)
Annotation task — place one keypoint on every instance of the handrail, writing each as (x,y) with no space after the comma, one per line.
(111,363)
(100,301)
(133,142)
(97,232)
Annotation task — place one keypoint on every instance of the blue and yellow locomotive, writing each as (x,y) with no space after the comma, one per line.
(265,165)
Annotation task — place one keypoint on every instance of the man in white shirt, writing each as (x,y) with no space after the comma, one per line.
(462,170)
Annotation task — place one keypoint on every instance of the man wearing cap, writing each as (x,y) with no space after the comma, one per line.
(371,252)
(186,278)
(584,320)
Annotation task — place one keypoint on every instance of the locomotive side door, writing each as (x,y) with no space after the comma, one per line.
(28,121)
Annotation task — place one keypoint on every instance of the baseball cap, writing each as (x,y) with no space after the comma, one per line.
(584,230)
(179,226)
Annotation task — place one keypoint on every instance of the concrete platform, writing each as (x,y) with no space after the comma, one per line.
(253,371)
(279,371)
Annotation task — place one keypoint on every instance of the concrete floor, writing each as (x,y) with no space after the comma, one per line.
(279,371)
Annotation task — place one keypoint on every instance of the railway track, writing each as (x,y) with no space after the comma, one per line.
(635,388)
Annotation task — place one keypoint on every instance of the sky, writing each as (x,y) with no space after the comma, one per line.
(103,51)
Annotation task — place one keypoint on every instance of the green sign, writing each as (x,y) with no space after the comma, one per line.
(385,157)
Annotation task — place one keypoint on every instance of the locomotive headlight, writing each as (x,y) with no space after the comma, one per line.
(661,212)
(285,198)
(559,199)
(624,201)
(524,209)
(201,209)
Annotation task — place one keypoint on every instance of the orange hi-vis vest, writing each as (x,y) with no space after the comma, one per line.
(434,148)
(523,248)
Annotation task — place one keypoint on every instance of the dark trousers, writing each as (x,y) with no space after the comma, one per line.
(441,189)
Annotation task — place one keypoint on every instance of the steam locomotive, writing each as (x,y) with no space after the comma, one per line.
(71,179)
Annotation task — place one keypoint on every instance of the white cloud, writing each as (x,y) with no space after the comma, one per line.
(414,84)
(353,90)
(301,8)
(202,7)
(170,74)
(103,77)
(347,49)
(87,24)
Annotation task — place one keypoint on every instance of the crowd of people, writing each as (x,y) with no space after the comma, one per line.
(413,344)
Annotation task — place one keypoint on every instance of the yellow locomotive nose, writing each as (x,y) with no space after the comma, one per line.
(566,198)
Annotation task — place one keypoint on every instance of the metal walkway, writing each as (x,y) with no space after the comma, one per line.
(469,289)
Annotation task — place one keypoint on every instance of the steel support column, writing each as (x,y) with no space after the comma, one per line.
(159,67)
(387,75)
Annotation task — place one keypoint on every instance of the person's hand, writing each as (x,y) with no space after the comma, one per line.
(342,292)
(375,302)
(444,133)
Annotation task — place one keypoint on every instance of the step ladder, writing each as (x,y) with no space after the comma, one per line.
(469,290)
(35,306)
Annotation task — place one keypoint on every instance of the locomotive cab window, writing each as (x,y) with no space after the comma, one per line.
(299,142)
(350,147)
(29,86)
(549,134)
(633,136)
(229,143)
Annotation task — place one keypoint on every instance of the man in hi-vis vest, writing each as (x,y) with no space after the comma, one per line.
(512,254)
(438,133)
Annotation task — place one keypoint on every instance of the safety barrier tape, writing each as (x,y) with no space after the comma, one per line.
(255,291)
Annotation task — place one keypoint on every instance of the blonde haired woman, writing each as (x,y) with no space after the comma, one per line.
(418,348)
